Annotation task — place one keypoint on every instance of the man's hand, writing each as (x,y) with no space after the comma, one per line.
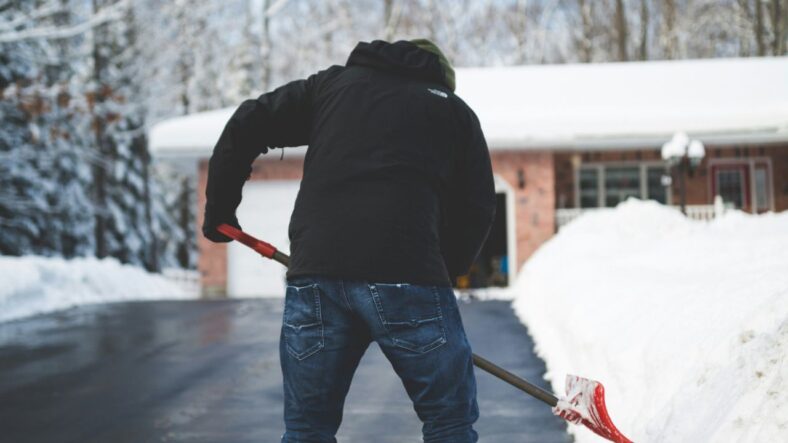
(212,221)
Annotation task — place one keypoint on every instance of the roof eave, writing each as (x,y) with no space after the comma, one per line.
(629,142)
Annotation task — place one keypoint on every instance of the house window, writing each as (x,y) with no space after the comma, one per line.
(589,188)
(730,186)
(601,185)
(621,183)
(655,188)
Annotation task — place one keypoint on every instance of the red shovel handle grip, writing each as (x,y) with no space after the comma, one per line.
(263,248)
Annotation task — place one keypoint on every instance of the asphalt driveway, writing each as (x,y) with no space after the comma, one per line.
(208,371)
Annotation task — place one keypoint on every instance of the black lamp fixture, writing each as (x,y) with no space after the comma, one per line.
(521,178)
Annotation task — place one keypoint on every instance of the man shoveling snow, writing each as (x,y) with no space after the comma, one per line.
(397,198)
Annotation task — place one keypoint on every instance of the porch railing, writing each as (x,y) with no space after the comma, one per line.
(694,212)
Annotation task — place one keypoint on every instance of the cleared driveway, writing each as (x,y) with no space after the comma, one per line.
(208,371)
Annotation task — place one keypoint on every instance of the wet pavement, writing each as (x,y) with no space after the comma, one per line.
(208,371)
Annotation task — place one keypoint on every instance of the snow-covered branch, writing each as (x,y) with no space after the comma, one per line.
(276,7)
(110,13)
(46,10)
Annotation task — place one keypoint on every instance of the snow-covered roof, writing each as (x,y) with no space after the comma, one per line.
(192,135)
(603,106)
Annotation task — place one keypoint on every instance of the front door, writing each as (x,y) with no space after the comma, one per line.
(730,183)
(744,185)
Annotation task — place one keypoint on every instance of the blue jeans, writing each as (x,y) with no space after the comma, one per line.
(328,325)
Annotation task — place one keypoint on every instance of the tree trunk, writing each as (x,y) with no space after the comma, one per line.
(586,54)
(388,19)
(644,23)
(265,48)
(152,262)
(669,37)
(520,28)
(621,31)
(779,18)
(759,28)
(185,80)
(99,167)
(185,221)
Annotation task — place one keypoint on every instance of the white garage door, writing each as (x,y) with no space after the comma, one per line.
(264,213)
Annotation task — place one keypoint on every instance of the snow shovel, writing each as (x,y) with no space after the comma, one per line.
(585,399)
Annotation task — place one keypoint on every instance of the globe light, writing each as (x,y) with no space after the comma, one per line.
(696,151)
(675,149)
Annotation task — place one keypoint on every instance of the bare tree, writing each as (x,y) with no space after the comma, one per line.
(669,33)
(100,64)
(622,34)
(265,46)
(585,43)
(644,27)
(768,20)
(778,13)
(516,20)
(391,13)
(759,28)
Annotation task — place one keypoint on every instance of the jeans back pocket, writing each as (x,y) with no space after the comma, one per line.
(411,315)
(302,325)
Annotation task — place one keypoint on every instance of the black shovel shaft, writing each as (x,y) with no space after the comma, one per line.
(519,383)
(282,258)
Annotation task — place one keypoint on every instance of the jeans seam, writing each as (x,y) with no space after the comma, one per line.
(378,307)
(436,294)
(344,294)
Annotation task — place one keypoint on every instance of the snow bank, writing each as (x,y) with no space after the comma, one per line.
(686,323)
(31,285)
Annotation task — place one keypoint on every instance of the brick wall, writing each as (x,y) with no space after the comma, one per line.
(534,202)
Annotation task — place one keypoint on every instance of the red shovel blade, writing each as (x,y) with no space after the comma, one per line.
(585,404)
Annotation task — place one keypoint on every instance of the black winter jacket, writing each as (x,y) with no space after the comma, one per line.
(397,183)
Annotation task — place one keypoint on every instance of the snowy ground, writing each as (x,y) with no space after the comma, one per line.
(686,323)
(32,285)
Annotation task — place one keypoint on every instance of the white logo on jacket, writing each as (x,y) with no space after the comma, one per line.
(438,92)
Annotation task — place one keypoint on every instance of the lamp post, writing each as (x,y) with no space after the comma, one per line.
(684,155)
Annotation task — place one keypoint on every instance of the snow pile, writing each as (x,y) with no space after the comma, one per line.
(685,322)
(32,285)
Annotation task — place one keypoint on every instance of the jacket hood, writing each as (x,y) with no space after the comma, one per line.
(402,57)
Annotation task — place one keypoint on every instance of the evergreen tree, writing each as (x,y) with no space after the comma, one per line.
(44,207)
